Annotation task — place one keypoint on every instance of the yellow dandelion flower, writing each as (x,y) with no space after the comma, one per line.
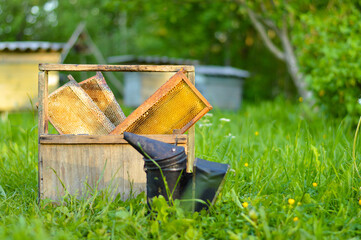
(359,201)
(314,184)
(295,219)
(246,164)
(291,201)
(256,133)
(245,204)
(300,99)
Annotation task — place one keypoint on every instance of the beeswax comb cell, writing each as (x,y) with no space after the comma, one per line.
(176,105)
(99,91)
(72,111)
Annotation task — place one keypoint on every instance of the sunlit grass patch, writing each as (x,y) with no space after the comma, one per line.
(292,176)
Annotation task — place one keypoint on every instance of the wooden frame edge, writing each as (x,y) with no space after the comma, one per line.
(196,91)
(114,68)
(106,139)
(42,124)
(191,134)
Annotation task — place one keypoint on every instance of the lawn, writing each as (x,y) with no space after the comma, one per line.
(293,175)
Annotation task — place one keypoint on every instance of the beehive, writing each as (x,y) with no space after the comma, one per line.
(18,67)
(76,163)
(176,105)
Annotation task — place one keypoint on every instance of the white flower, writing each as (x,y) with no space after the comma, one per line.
(225,120)
(209,115)
(359,101)
(205,124)
(230,135)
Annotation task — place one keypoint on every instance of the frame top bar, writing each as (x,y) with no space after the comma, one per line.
(114,68)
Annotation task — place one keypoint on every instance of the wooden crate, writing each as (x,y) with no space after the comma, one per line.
(79,162)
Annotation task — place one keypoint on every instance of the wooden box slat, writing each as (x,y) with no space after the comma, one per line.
(104,164)
(106,139)
(114,68)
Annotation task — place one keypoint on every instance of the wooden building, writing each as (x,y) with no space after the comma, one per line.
(19,72)
(222,86)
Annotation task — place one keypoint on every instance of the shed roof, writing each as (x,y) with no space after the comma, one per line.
(31,46)
(225,71)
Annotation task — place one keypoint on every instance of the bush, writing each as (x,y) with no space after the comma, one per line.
(328,48)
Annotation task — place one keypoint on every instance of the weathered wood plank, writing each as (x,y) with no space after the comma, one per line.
(106,139)
(114,68)
(42,122)
(43,103)
(79,166)
(117,167)
(191,134)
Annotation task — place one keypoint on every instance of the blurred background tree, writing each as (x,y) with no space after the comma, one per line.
(275,19)
(214,32)
(330,36)
(324,37)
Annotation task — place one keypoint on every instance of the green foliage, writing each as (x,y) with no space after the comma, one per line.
(20,19)
(214,32)
(328,41)
(275,155)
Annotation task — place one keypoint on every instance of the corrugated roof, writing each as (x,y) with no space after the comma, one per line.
(221,71)
(31,46)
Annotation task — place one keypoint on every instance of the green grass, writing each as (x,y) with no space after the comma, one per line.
(276,150)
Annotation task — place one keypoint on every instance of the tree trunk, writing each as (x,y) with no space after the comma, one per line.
(292,66)
(287,55)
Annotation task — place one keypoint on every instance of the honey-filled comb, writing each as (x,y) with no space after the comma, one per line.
(176,105)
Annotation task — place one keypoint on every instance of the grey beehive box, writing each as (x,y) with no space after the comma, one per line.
(221,86)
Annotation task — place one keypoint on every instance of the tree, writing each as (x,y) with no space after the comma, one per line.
(275,19)
(330,37)
(214,32)
(19,20)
